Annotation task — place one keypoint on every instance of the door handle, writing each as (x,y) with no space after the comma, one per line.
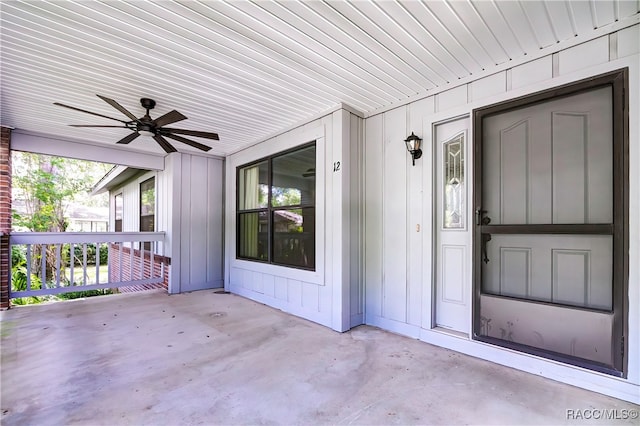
(481,219)
(485,239)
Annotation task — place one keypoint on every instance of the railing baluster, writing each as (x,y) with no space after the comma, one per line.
(151,260)
(97,263)
(72,262)
(58,248)
(84,264)
(28,267)
(141,260)
(43,265)
(109,261)
(131,260)
(121,245)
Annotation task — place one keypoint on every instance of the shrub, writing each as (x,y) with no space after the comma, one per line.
(91,254)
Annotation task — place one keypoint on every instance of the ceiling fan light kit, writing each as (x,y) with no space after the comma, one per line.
(146,126)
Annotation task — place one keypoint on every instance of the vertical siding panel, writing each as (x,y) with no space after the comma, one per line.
(234,275)
(185,238)
(215,217)
(245,279)
(531,72)
(294,289)
(427,231)
(395,215)
(451,98)
(310,297)
(210,220)
(373,201)
(338,209)
(256,282)
(131,211)
(281,290)
(269,285)
(417,280)
(488,86)
(174,182)
(356,296)
(584,55)
(628,41)
(333,218)
(198,221)
(324,187)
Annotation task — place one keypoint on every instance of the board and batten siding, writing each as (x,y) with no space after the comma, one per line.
(131,202)
(399,202)
(332,295)
(197,222)
(189,209)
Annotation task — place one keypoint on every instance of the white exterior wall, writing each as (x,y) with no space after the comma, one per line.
(197,223)
(189,209)
(332,294)
(131,203)
(399,260)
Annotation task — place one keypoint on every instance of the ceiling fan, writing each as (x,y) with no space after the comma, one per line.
(150,127)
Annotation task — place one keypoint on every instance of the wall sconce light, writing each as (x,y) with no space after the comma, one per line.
(413,146)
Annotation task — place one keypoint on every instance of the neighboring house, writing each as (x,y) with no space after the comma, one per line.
(79,218)
(513,238)
(88,219)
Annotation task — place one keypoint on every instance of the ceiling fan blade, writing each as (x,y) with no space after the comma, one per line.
(168,118)
(127,139)
(168,148)
(88,112)
(119,107)
(189,142)
(206,135)
(91,125)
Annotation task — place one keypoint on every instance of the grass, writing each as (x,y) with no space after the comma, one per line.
(91,274)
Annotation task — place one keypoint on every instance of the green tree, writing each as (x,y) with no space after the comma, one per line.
(45,186)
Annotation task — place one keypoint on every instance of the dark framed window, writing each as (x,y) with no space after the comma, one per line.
(119,208)
(276,212)
(148,208)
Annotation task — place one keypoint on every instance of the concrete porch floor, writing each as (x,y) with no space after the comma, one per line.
(207,358)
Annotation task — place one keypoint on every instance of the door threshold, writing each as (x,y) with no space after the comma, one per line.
(451,332)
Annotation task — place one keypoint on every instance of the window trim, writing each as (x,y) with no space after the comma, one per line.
(270,209)
(115,212)
(147,245)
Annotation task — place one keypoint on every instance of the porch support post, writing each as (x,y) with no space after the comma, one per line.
(5,215)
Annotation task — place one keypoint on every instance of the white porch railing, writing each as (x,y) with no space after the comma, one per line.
(48,269)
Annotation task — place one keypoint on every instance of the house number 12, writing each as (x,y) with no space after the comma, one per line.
(336,166)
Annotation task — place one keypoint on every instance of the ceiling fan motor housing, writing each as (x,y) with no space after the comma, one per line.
(147,103)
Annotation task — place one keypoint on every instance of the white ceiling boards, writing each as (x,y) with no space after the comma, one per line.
(246,70)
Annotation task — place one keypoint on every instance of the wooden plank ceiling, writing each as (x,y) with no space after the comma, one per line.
(249,69)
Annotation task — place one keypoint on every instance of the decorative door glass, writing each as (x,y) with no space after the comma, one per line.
(454,184)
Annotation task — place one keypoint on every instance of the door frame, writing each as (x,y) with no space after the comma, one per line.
(618,81)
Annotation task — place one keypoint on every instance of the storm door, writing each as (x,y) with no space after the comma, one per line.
(550,264)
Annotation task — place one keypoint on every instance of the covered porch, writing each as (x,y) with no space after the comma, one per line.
(213,358)
(367,121)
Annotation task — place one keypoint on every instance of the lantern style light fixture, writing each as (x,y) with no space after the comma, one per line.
(413,146)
